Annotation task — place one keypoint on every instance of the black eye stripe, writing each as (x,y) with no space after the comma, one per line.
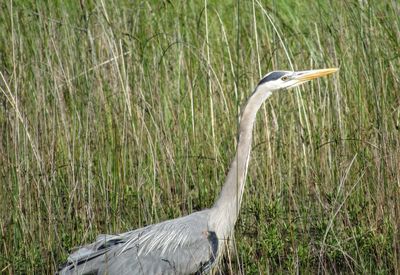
(272,76)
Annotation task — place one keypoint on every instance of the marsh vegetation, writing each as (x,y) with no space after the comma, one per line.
(119,114)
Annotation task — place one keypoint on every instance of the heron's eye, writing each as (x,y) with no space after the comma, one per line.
(284,78)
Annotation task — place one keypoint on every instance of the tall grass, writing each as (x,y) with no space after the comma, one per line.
(119,114)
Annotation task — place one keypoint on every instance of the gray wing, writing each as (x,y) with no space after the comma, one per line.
(180,246)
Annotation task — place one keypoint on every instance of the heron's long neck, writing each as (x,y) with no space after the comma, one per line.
(226,209)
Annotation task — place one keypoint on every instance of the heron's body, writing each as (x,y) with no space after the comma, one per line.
(150,250)
(190,244)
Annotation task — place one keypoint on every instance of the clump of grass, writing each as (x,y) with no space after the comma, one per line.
(117,116)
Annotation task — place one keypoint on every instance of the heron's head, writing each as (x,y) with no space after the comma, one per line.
(278,80)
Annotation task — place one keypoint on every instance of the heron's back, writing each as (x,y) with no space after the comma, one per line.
(180,246)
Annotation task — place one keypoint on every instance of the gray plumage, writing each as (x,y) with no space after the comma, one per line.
(194,243)
(143,251)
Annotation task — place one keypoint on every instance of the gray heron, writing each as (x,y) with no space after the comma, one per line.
(191,244)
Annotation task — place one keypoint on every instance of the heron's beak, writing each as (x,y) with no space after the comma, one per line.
(308,75)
